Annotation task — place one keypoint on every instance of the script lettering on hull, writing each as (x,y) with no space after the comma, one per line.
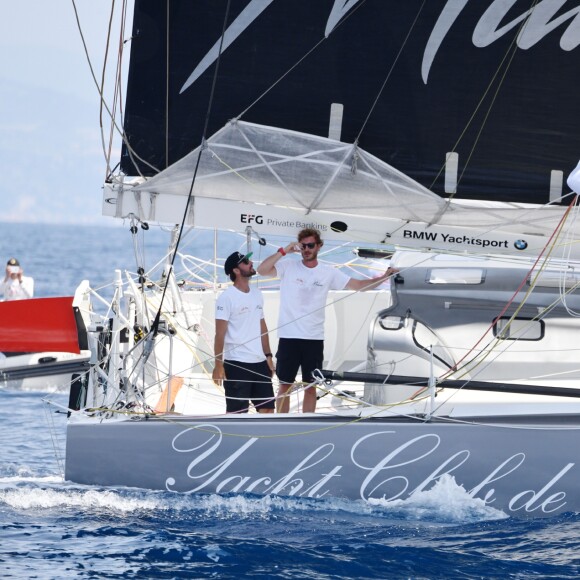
(319,469)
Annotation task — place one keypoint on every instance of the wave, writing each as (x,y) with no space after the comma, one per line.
(445,503)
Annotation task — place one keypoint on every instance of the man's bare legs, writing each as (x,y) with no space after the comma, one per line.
(309,402)
(283,399)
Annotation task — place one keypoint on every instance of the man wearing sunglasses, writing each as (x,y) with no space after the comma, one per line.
(304,286)
(243,359)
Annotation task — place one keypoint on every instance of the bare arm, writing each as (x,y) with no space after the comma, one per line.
(362,285)
(219,374)
(268,266)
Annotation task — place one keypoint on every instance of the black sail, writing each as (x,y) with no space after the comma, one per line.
(495,82)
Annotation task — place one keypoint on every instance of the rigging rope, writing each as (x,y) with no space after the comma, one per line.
(132,153)
(512,48)
(155,326)
(300,60)
(203,141)
(554,236)
(390,71)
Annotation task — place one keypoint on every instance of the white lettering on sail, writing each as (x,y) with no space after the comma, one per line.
(445,21)
(539,24)
(488,29)
(340,8)
(246,17)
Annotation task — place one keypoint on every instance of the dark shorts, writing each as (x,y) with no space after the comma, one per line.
(247,382)
(294,353)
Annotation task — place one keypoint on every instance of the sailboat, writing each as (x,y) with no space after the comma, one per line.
(466,366)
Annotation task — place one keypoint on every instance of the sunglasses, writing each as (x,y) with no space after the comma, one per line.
(245,261)
(309,245)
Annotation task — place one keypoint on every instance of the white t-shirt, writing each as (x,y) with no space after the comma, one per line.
(14,290)
(303,293)
(243,312)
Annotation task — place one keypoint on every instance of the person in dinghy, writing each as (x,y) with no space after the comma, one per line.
(304,286)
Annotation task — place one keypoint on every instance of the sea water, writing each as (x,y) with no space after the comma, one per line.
(53,529)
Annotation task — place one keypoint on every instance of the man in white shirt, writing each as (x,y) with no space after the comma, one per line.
(15,285)
(304,286)
(243,359)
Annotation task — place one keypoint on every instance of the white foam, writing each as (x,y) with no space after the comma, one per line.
(256,506)
(26,476)
(239,505)
(47,498)
(445,501)
(214,552)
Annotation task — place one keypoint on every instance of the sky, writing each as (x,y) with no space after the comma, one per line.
(52,164)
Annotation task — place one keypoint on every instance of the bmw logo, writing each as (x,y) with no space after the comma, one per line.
(520,244)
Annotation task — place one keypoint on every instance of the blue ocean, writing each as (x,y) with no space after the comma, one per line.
(53,529)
